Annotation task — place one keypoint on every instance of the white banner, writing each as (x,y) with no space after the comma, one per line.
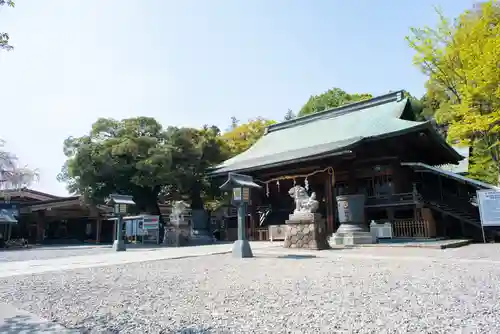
(489,207)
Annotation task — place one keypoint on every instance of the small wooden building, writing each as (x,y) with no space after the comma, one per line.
(374,147)
(45,218)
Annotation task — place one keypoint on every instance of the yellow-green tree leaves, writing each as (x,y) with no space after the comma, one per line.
(240,137)
(462,61)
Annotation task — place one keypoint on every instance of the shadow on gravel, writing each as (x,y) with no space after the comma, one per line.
(297,256)
(23,324)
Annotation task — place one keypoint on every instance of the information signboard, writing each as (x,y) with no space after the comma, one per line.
(151,223)
(489,207)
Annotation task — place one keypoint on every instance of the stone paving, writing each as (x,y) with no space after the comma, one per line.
(41,260)
(360,290)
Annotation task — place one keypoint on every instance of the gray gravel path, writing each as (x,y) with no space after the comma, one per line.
(269,294)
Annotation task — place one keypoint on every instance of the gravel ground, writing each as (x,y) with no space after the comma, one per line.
(269,294)
(45,253)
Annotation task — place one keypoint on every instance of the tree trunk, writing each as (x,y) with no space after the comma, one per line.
(195,196)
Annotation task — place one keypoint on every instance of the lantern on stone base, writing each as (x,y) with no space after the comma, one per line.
(120,204)
(240,187)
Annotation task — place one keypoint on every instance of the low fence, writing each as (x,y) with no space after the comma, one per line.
(410,228)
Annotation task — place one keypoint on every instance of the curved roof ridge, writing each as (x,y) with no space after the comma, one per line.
(339,111)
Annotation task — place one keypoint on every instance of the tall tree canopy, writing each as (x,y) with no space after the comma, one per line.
(241,137)
(332,98)
(138,157)
(13,176)
(4,37)
(461,60)
(193,152)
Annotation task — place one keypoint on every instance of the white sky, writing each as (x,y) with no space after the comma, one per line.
(191,62)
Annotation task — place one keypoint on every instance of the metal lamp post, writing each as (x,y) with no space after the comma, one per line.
(120,205)
(240,186)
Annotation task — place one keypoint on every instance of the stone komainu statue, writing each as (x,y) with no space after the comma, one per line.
(303,203)
(178,210)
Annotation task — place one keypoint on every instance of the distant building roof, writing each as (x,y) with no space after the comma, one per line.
(330,132)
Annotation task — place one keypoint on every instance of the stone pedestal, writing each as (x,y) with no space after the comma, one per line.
(177,235)
(119,246)
(200,232)
(352,229)
(306,230)
(242,249)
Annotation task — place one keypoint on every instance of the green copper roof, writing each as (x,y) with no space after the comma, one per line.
(326,133)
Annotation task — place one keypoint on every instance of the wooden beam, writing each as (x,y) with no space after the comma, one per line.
(303,170)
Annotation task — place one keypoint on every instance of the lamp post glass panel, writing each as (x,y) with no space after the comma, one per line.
(240,185)
(120,205)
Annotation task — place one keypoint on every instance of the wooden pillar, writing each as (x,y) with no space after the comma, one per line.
(9,232)
(390,214)
(98,230)
(115,226)
(40,226)
(352,181)
(330,204)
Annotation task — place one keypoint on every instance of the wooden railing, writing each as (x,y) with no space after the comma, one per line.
(409,228)
(402,198)
(460,204)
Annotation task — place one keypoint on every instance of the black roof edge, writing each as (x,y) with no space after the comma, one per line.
(342,110)
(458,177)
(215,173)
(427,125)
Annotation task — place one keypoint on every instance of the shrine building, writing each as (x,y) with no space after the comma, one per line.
(374,147)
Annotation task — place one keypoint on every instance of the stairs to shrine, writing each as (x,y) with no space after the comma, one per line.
(460,208)
(459,213)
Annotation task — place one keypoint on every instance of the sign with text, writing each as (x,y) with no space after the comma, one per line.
(151,223)
(489,207)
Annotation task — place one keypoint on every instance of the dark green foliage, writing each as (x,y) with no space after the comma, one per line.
(138,157)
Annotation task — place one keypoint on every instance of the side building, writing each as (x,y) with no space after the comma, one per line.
(45,218)
(373,147)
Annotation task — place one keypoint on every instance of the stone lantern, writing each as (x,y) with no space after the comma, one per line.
(120,204)
(240,187)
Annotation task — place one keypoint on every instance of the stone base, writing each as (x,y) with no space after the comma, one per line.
(176,237)
(200,237)
(306,231)
(242,249)
(119,246)
(351,238)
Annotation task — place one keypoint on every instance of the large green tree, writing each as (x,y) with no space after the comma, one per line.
(194,151)
(130,157)
(461,60)
(4,37)
(332,98)
(138,157)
